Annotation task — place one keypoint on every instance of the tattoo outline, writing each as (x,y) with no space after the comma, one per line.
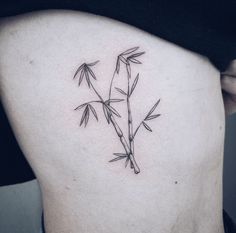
(85,72)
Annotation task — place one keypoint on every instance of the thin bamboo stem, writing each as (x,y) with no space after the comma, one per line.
(120,135)
(110,89)
(125,144)
(135,132)
(99,96)
(130,130)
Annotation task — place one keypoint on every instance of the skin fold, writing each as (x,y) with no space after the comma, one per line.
(228,84)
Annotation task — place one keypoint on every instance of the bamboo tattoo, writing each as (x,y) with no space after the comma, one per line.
(85,72)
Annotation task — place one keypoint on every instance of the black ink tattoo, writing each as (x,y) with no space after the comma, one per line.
(85,72)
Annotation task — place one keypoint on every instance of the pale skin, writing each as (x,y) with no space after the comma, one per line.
(179,188)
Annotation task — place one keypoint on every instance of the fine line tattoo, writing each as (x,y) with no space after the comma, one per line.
(85,72)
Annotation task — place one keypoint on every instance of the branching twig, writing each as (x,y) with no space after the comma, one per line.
(148,117)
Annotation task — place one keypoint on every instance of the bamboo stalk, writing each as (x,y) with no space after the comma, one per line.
(120,135)
(130,128)
(125,145)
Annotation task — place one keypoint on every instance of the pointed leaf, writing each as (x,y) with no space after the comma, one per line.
(120,90)
(78,70)
(117,158)
(106,114)
(153,108)
(84,115)
(136,55)
(119,154)
(87,77)
(114,100)
(128,51)
(81,76)
(147,127)
(91,73)
(134,84)
(134,60)
(128,68)
(80,106)
(93,111)
(93,63)
(123,60)
(152,117)
(113,110)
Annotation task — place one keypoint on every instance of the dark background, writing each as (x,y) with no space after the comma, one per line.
(230,167)
(203,26)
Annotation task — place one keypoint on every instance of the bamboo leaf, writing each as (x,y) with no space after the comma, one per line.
(78,70)
(114,100)
(137,54)
(147,127)
(93,63)
(134,60)
(152,117)
(120,90)
(153,108)
(127,162)
(106,114)
(80,106)
(134,84)
(86,117)
(129,51)
(81,76)
(117,65)
(93,111)
(117,158)
(91,73)
(123,60)
(87,77)
(119,154)
(128,68)
(83,115)
(113,110)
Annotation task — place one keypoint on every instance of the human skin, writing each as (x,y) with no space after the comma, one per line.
(228,84)
(179,187)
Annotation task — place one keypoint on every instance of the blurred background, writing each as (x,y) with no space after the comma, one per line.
(230,167)
(20,205)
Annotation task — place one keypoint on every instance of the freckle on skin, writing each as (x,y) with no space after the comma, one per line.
(176,182)
(84,148)
(31,62)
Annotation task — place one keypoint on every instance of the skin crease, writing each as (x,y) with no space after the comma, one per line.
(179,189)
(228,84)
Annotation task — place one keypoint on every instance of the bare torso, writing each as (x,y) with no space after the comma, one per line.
(179,187)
